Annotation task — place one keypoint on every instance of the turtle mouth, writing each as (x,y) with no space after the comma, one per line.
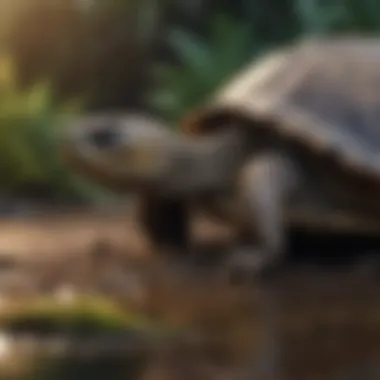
(84,158)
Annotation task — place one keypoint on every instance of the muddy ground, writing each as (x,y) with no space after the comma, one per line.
(325,320)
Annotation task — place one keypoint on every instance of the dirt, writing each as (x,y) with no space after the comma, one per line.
(55,233)
(322,322)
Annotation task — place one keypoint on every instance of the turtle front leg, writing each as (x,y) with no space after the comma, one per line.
(266,184)
(166,223)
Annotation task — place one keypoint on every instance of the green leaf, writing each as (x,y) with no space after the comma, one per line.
(192,51)
(205,65)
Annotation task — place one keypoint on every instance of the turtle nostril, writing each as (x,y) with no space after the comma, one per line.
(104,138)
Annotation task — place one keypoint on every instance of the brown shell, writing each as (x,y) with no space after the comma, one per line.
(325,93)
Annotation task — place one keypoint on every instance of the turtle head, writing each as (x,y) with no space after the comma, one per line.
(120,151)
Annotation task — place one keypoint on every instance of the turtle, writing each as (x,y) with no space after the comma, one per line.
(290,141)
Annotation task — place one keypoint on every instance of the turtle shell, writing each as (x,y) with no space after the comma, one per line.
(325,93)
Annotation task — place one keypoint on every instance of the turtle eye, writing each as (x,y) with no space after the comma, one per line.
(105,138)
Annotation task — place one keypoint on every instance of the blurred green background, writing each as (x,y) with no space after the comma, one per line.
(64,57)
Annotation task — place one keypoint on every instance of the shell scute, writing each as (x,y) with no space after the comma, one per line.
(324,93)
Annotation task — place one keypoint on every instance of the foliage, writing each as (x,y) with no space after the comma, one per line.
(106,48)
(317,17)
(85,314)
(235,38)
(30,124)
(204,65)
(73,43)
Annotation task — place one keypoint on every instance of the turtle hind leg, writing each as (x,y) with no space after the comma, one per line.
(266,185)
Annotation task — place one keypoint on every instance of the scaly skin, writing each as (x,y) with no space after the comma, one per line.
(173,172)
(170,171)
(134,152)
